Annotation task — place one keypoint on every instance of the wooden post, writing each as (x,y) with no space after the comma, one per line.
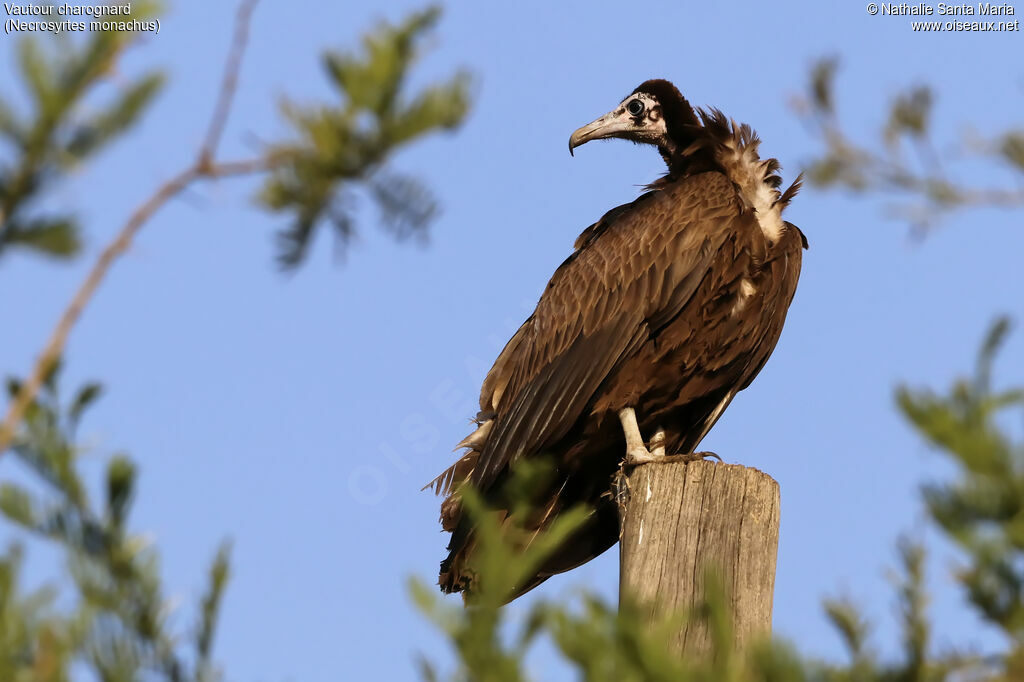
(680,519)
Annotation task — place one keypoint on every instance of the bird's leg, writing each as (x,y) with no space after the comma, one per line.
(658,444)
(636,451)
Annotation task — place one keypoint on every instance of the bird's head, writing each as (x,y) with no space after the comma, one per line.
(655,113)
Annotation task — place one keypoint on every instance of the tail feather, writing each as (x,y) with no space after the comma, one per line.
(450,479)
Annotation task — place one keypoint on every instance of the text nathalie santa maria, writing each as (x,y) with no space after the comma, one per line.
(922,9)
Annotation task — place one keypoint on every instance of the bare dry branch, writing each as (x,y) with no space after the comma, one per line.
(203,167)
(229,84)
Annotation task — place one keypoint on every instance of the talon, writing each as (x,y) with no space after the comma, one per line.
(694,456)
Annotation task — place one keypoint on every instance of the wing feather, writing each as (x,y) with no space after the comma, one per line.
(635,272)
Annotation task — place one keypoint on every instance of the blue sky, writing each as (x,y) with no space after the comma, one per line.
(300,415)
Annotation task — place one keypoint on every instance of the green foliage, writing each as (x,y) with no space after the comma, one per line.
(599,642)
(35,642)
(118,626)
(919,662)
(476,631)
(1012,148)
(906,164)
(342,148)
(821,89)
(65,127)
(910,115)
(983,509)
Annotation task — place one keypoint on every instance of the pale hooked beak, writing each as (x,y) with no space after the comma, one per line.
(613,124)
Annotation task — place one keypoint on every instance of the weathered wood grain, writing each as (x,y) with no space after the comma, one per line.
(681,519)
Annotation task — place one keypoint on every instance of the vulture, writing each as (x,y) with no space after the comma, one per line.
(666,309)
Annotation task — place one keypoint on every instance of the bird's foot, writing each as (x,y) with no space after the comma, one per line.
(641,455)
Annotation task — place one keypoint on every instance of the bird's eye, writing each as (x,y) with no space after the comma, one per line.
(635,107)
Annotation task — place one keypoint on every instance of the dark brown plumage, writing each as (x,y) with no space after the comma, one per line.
(669,306)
